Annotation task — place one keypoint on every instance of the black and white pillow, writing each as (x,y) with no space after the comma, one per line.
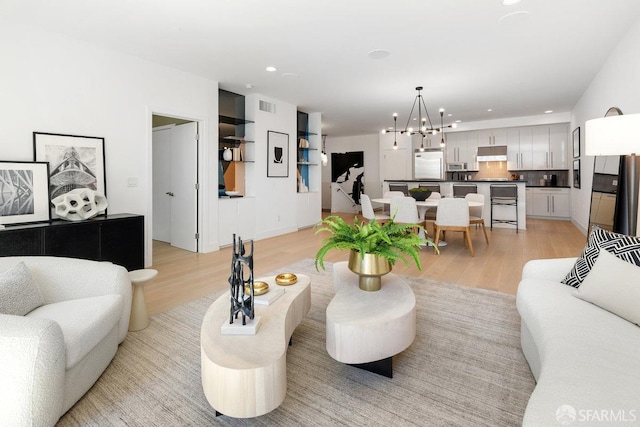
(625,247)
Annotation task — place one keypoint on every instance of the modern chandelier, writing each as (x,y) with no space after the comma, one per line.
(423,129)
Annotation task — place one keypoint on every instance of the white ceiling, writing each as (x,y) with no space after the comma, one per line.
(465,56)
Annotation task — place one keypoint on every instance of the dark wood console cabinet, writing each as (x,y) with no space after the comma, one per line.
(117,238)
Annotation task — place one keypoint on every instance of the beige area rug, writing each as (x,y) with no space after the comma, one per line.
(465,368)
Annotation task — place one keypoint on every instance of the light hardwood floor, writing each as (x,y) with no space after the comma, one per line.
(185,276)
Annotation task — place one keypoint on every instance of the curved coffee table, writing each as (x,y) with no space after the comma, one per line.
(245,376)
(367,329)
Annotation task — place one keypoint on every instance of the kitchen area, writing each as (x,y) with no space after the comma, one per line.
(533,158)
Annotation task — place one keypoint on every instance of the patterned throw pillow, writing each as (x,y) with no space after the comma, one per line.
(625,247)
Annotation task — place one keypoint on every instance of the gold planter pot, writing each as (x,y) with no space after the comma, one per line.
(370,269)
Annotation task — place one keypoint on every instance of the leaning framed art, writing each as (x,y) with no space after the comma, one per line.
(74,162)
(24,192)
(576,173)
(277,154)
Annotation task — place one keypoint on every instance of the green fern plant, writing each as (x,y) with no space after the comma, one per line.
(390,240)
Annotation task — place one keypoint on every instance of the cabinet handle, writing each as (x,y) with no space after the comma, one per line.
(552,159)
(553,204)
(548,204)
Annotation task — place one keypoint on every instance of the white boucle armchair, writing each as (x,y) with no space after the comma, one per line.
(50,357)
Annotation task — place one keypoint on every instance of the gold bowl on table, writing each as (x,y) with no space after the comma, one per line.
(259,288)
(286,279)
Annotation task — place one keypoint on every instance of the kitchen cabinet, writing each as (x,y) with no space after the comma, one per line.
(549,147)
(607,165)
(519,149)
(458,150)
(559,146)
(551,202)
(430,141)
(492,137)
(236,215)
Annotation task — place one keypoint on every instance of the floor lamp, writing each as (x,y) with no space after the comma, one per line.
(619,135)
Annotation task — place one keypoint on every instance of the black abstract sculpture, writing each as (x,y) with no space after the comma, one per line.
(241,303)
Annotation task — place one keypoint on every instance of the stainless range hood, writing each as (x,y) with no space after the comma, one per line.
(496,153)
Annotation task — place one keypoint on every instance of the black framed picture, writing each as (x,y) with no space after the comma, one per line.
(25,192)
(277,154)
(576,142)
(576,173)
(74,162)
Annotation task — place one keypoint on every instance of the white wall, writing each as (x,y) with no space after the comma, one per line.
(276,201)
(616,85)
(51,83)
(366,143)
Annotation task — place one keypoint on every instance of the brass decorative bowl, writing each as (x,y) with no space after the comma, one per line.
(259,288)
(286,279)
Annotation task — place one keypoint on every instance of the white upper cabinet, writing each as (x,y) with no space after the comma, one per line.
(541,147)
(492,137)
(458,150)
(558,146)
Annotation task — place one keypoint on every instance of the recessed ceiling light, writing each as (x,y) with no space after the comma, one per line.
(271,69)
(509,2)
(290,75)
(458,121)
(489,109)
(378,54)
(449,115)
(248,86)
(548,111)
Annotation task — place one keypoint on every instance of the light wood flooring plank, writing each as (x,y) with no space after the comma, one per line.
(185,276)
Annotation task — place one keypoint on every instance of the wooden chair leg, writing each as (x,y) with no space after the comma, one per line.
(484,230)
(436,240)
(468,237)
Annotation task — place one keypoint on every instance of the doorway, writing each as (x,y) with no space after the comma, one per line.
(175,182)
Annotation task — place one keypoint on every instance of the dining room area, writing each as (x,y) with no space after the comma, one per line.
(441,207)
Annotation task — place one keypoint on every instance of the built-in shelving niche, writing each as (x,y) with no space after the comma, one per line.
(308,156)
(231,132)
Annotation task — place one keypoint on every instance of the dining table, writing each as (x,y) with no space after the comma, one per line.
(422,209)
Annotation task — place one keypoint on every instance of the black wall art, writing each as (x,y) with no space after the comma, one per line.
(347,170)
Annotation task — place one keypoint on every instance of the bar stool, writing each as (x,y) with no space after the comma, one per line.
(504,195)
(139,318)
(461,190)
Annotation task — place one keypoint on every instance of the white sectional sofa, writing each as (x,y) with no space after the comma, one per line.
(52,355)
(585,359)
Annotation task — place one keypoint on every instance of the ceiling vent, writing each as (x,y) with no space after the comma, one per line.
(268,107)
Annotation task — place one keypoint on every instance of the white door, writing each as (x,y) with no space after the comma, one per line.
(162,184)
(184,179)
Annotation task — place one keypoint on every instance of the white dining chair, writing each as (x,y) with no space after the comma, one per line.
(453,215)
(430,214)
(405,211)
(475,212)
(389,195)
(367,210)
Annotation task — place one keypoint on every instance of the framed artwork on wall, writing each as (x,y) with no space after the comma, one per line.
(24,189)
(74,162)
(576,142)
(576,173)
(277,154)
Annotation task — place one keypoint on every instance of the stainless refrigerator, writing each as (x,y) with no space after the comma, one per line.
(428,164)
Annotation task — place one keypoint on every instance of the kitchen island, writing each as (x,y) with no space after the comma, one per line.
(483,186)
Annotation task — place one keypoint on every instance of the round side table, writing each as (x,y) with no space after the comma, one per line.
(139,318)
